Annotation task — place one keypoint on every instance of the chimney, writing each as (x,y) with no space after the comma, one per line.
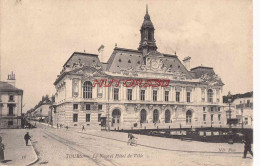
(186,62)
(11,79)
(100,53)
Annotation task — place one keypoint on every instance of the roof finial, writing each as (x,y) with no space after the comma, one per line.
(146,8)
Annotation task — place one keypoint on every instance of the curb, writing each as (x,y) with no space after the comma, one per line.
(35,155)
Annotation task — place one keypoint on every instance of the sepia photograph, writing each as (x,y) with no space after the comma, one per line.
(126,83)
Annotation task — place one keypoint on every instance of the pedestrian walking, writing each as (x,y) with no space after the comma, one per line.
(67,128)
(247,147)
(57,125)
(26,138)
(83,127)
(2,148)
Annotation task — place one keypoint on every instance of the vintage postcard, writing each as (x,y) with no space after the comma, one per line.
(126,83)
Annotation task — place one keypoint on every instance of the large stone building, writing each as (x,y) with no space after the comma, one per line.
(192,98)
(11,99)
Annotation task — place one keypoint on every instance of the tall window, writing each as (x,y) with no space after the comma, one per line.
(75,117)
(87,117)
(155,95)
(219,117)
(75,106)
(143,95)
(87,90)
(87,106)
(143,116)
(204,117)
(116,92)
(99,107)
(155,116)
(178,96)
(188,97)
(99,117)
(129,94)
(11,109)
(166,96)
(210,95)
(188,116)
(212,117)
(167,116)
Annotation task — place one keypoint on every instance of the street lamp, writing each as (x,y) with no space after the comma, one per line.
(230,140)
(242,111)
(229,104)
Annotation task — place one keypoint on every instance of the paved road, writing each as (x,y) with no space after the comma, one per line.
(61,147)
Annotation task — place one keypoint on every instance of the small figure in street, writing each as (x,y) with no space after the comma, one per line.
(2,148)
(26,138)
(67,128)
(83,127)
(57,125)
(247,147)
(131,138)
(35,124)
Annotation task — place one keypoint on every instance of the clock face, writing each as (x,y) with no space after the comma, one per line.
(154,64)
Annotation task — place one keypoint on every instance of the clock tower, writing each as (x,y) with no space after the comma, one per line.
(147,42)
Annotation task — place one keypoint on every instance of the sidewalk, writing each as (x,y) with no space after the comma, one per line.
(16,152)
(170,144)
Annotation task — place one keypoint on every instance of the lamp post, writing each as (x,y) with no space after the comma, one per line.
(230,140)
(242,111)
(229,104)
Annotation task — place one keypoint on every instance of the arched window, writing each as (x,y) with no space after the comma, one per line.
(87,90)
(155,116)
(188,116)
(167,116)
(143,116)
(116,115)
(210,95)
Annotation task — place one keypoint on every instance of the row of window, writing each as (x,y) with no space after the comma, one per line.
(76,106)
(211,117)
(75,117)
(87,93)
(155,95)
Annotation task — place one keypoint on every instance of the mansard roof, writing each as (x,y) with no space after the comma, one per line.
(6,87)
(85,58)
(123,58)
(201,70)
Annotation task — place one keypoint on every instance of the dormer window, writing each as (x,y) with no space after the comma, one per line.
(170,65)
(138,62)
(179,66)
(119,60)
(93,60)
(129,61)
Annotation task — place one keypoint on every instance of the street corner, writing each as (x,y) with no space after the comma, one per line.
(16,152)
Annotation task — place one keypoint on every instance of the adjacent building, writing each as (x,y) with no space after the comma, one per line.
(11,99)
(41,113)
(244,111)
(85,94)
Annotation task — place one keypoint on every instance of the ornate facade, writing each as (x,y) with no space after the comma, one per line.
(192,98)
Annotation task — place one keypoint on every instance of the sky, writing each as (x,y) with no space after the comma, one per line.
(38,36)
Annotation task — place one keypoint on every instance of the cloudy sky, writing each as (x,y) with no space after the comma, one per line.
(38,36)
